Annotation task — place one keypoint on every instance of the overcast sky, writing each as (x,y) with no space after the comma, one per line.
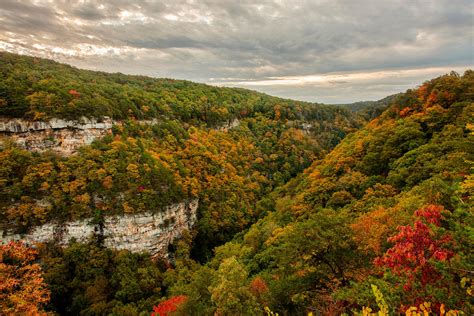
(325,51)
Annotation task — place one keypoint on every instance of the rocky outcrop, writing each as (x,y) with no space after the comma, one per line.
(152,232)
(63,137)
(22,126)
(228,125)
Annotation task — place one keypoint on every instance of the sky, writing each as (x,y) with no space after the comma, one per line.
(333,51)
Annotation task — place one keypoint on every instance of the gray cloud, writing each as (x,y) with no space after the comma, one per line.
(211,41)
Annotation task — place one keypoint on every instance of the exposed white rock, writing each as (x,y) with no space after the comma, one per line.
(63,137)
(306,127)
(13,125)
(228,125)
(62,141)
(149,231)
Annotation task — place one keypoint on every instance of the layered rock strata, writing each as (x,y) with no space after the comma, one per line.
(60,136)
(150,232)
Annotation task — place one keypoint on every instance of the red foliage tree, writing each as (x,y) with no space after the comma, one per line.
(74,93)
(405,111)
(166,308)
(415,248)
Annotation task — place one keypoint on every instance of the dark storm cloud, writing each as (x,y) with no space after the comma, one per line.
(24,17)
(258,45)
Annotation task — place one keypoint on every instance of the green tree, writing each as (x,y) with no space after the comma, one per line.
(230,290)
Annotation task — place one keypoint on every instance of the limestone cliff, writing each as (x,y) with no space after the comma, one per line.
(63,137)
(150,232)
(224,127)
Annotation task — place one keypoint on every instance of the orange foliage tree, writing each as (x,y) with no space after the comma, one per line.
(259,288)
(22,287)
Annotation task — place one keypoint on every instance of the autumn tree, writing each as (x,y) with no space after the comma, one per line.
(415,246)
(169,306)
(22,287)
(419,254)
(230,291)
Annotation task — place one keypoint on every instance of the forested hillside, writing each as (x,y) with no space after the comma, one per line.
(287,223)
(147,166)
(39,89)
(382,222)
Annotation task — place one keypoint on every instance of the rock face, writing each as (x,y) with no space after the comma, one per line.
(150,232)
(63,137)
(228,125)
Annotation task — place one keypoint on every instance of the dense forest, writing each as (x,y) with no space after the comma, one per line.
(146,167)
(303,208)
(39,89)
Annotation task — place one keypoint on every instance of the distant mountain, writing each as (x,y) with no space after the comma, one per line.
(370,109)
